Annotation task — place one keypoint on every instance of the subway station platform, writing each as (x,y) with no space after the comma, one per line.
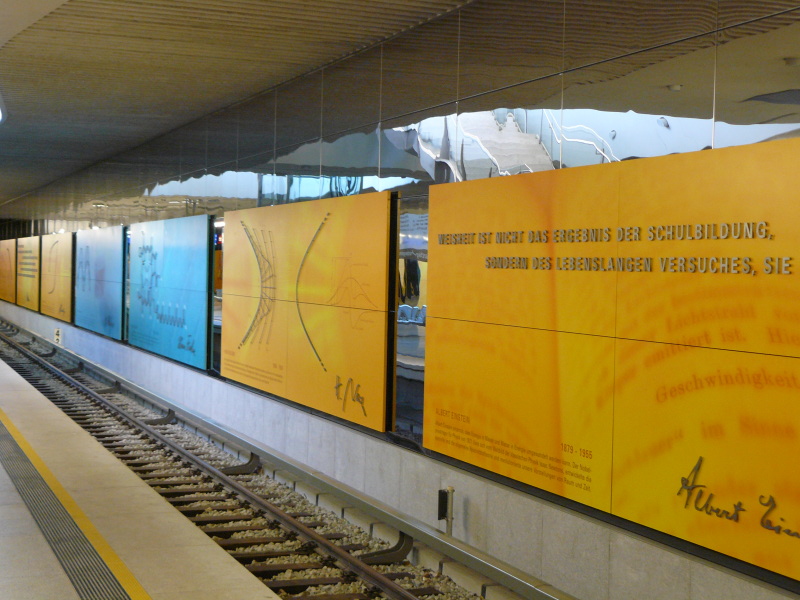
(75,523)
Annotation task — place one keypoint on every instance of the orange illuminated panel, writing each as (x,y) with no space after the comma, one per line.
(724,261)
(28,272)
(513,400)
(8,270)
(634,323)
(505,260)
(506,382)
(57,276)
(305,303)
(710,359)
(704,448)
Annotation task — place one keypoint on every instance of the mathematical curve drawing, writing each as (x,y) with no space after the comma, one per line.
(297,290)
(52,263)
(347,289)
(264,250)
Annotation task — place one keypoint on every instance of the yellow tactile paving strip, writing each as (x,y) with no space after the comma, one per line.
(153,550)
(118,568)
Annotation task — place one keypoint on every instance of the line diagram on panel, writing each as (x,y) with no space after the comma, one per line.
(263,247)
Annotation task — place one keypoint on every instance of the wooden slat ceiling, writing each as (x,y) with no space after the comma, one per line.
(95,77)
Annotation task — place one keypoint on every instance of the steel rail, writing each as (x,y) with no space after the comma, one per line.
(499,572)
(372,577)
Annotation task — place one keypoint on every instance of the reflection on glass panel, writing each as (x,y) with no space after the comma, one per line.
(511,131)
(297,174)
(151,171)
(420,68)
(138,205)
(284,189)
(205,192)
(194,142)
(135,163)
(411,315)
(166,152)
(218,191)
(653,71)
(177,197)
(77,189)
(263,166)
(121,208)
(418,149)
(256,125)
(156,160)
(735,12)
(664,105)
(506,42)
(350,163)
(91,207)
(299,107)
(757,97)
(135,156)
(112,176)
(223,129)
(600,30)
(244,185)
(351,93)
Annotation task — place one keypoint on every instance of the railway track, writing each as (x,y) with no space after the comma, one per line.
(293,546)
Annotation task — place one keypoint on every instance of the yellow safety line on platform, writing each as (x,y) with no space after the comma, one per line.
(126,579)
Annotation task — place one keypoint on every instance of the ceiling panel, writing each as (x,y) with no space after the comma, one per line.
(95,77)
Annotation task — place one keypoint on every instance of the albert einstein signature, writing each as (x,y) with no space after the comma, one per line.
(699,497)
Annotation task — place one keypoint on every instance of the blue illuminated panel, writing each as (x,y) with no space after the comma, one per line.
(99,280)
(170,288)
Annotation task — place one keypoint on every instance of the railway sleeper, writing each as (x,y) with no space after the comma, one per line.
(177,482)
(251,541)
(277,568)
(165,474)
(295,586)
(110,436)
(189,499)
(245,557)
(207,519)
(150,467)
(181,490)
(129,444)
(196,511)
(228,531)
(305,549)
(350,596)
(425,591)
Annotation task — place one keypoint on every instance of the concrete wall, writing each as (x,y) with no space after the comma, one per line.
(583,557)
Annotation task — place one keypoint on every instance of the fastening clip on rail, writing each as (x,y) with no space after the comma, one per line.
(251,466)
(395,554)
(167,419)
